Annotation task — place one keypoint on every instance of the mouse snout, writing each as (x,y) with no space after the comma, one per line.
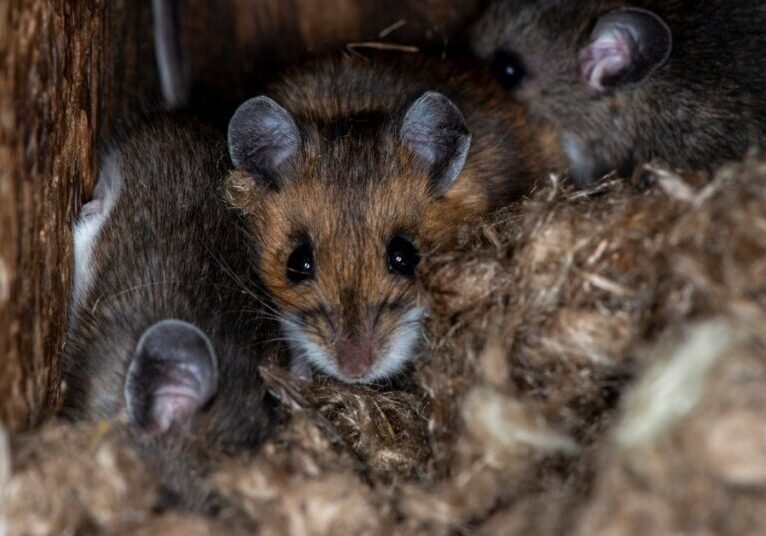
(355,355)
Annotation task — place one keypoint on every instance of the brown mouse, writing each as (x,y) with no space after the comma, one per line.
(350,171)
(627,82)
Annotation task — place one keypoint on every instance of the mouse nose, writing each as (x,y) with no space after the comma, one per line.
(355,356)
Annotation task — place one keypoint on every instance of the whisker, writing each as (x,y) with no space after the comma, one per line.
(240,283)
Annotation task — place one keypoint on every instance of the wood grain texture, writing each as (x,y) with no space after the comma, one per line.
(246,41)
(66,67)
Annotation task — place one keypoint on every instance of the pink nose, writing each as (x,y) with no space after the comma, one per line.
(355,356)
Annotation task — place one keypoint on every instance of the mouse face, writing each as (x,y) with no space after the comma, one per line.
(341,264)
(342,211)
(574,64)
(530,50)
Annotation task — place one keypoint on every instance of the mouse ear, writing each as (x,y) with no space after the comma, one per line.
(435,131)
(262,136)
(174,373)
(625,48)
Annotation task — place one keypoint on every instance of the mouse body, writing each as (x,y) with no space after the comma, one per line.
(166,325)
(351,169)
(163,327)
(626,82)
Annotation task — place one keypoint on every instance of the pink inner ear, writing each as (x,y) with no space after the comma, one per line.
(604,57)
(174,405)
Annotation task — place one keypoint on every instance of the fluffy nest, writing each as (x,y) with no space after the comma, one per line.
(594,364)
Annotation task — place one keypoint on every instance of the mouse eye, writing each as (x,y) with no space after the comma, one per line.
(508,69)
(300,264)
(402,257)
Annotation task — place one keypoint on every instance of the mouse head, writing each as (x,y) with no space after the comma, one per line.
(343,209)
(570,62)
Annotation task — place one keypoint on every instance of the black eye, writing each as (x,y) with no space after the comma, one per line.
(508,69)
(401,257)
(300,264)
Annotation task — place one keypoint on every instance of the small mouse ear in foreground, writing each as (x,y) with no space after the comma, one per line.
(262,136)
(625,48)
(435,131)
(174,373)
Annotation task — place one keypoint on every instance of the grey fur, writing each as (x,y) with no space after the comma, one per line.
(262,136)
(704,105)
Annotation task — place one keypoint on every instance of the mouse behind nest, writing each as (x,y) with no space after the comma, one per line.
(166,325)
(162,311)
(627,82)
(353,168)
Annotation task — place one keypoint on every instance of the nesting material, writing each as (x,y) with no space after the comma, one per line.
(75,478)
(698,465)
(593,363)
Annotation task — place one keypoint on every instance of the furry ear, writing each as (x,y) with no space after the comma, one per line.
(435,131)
(173,374)
(262,136)
(625,48)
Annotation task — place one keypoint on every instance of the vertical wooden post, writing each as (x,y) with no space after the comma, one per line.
(63,64)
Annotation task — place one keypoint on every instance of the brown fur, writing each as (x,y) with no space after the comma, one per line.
(354,186)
